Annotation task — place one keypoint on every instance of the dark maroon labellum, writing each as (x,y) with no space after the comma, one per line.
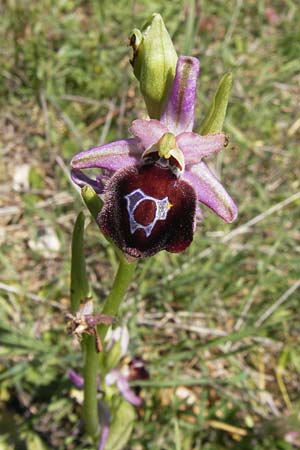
(148,209)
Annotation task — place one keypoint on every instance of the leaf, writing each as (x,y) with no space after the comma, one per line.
(79,282)
(34,442)
(213,122)
(123,416)
(177,435)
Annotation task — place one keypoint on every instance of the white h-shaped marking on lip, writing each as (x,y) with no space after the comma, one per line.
(138,196)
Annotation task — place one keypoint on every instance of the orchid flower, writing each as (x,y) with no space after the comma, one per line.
(152,182)
(121,374)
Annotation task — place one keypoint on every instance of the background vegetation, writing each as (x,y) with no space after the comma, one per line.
(218,325)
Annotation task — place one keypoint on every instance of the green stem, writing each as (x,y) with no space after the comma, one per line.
(91,365)
(117,293)
(90,404)
(111,307)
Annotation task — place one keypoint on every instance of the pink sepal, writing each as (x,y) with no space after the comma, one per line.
(210,191)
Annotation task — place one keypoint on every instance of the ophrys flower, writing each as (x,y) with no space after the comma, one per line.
(154,180)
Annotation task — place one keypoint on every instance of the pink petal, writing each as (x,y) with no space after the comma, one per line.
(127,392)
(113,156)
(195,147)
(104,436)
(109,157)
(178,115)
(121,335)
(112,377)
(76,379)
(210,191)
(104,414)
(148,131)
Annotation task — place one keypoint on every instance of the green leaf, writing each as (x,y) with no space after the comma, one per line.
(123,416)
(79,281)
(113,356)
(213,122)
(177,435)
(34,442)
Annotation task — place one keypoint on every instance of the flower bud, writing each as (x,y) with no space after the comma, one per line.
(154,63)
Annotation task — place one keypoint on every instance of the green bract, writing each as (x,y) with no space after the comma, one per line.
(213,122)
(154,63)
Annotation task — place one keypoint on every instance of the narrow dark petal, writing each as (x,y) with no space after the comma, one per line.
(148,209)
(138,370)
(178,115)
(81,180)
(76,379)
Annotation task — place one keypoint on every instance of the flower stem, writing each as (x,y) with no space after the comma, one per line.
(91,364)
(90,404)
(111,307)
(117,293)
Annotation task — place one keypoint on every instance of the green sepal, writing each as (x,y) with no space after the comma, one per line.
(213,122)
(79,288)
(92,201)
(113,356)
(122,420)
(154,63)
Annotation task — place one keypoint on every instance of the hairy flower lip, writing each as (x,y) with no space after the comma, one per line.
(126,155)
(174,234)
